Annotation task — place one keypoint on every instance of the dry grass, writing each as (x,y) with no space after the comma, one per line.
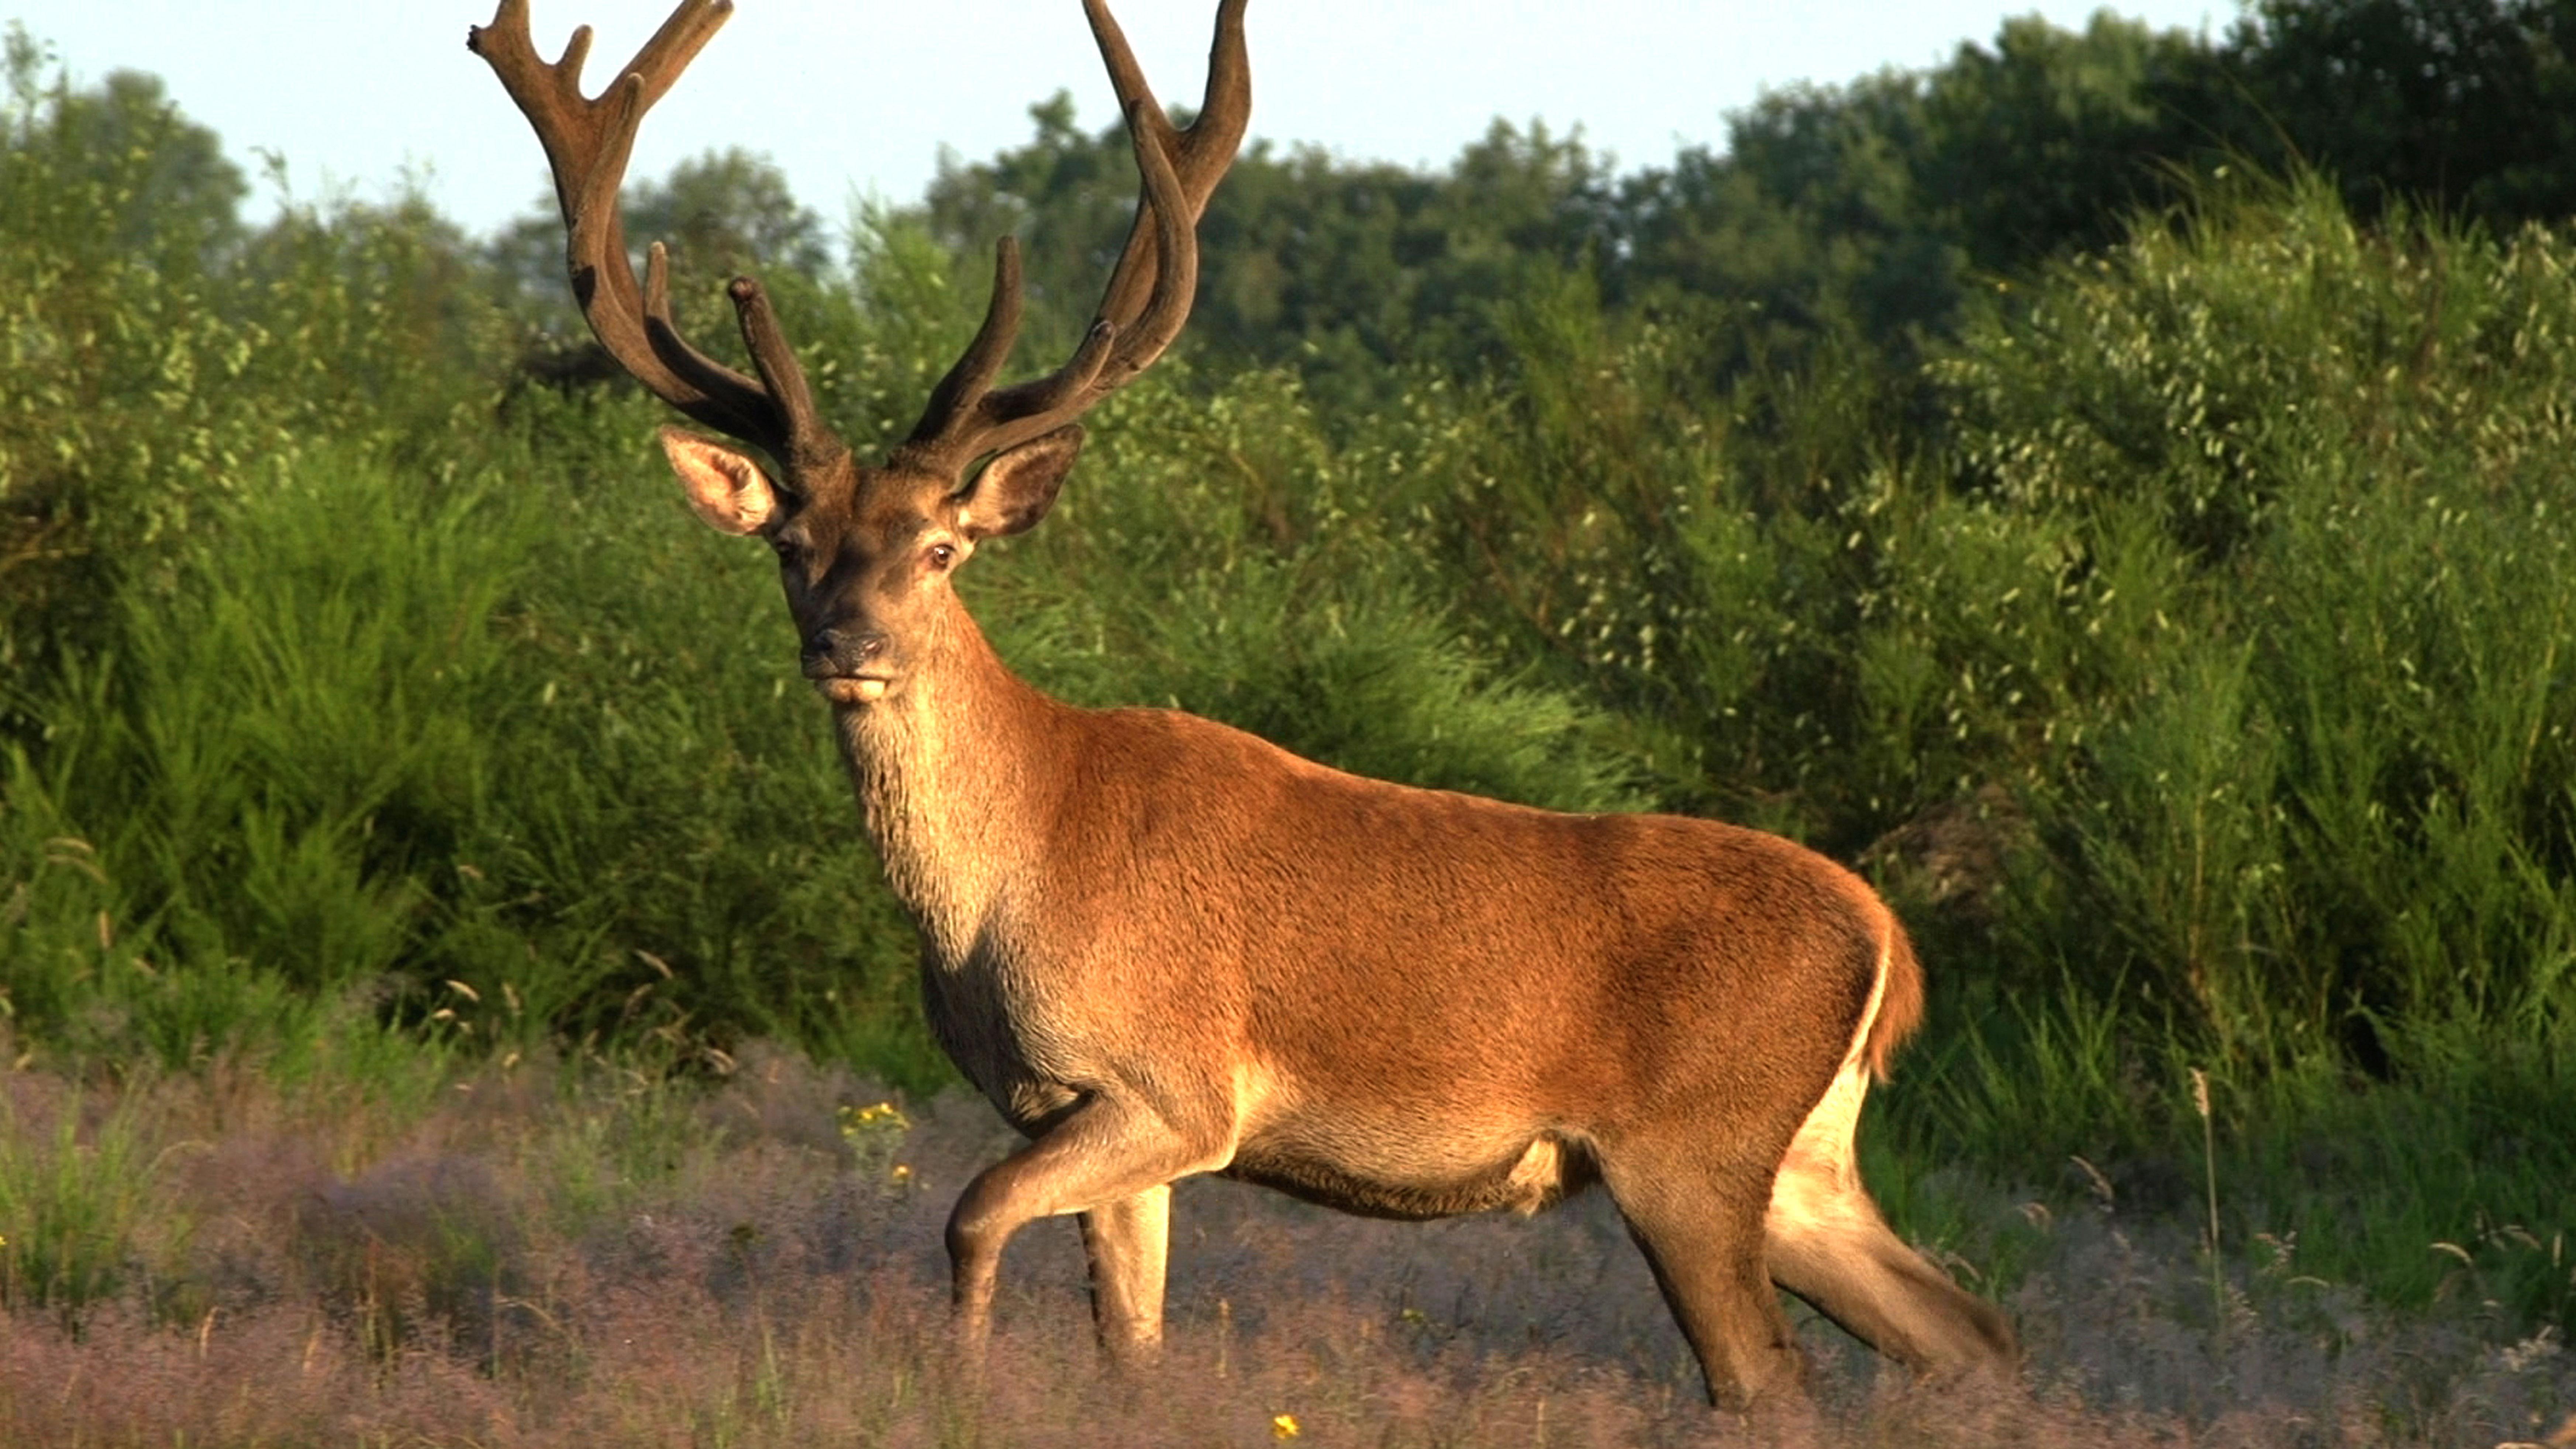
(546,1257)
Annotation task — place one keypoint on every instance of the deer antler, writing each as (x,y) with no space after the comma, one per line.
(587,144)
(1151,289)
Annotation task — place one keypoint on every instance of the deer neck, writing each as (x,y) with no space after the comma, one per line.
(955,773)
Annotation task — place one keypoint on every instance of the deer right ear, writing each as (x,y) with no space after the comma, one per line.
(1017,488)
(725,488)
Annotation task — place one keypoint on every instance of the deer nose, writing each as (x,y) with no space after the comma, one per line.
(830,651)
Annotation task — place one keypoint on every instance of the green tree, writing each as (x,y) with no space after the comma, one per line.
(2468,104)
(1869,207)
(1812,219)
(1303,255)
(116,213)
(717,214)
(2051,139)
(162,186)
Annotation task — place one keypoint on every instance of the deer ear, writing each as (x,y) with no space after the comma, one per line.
(725,488)
(1017,488)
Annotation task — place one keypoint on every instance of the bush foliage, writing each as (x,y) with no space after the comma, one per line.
(2173,617)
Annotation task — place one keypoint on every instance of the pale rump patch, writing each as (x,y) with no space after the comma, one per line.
(1824,1240)
(1819,1180)
(1819,1176)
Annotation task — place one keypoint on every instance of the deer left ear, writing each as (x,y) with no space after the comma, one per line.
(727,491)
(1017,488)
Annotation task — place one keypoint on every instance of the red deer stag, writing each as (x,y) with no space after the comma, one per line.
(1164,947)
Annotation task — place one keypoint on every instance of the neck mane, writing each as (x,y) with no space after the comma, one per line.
(956,773)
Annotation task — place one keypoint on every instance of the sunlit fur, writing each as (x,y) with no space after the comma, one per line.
(1161,946)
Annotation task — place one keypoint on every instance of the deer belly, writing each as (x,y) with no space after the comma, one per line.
(1396,1170)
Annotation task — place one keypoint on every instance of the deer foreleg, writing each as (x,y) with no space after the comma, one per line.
(1127,1242)
(1104,1160)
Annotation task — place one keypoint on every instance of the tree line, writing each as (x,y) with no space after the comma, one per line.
(1871,209)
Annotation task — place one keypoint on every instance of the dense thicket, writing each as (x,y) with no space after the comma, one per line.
(2158,576)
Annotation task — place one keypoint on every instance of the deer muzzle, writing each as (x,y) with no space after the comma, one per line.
(847,665)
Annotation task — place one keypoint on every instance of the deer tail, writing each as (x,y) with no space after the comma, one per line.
(1900,996)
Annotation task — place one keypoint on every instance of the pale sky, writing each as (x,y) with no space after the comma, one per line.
(856,100)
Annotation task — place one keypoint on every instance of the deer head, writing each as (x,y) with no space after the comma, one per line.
(866,551)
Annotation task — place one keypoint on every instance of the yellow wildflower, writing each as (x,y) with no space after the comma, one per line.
(883,1117)
(1283,1426)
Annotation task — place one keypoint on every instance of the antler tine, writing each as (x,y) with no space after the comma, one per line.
(1176,271)
(779,370)
(786,400)
(1150,290)
(1203,152)
(690,26)
(966,383)
(587,145)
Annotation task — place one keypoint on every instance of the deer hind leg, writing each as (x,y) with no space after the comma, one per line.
(1127,1242)
(1700,1226)
(1826,1242)
(1102,1158)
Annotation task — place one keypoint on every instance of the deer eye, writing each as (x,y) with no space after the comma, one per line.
(785,549)
(942,555)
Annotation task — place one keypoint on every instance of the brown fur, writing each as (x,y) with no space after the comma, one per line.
(1392,1001)
(1161,946)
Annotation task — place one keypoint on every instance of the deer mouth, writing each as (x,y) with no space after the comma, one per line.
(851,688)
